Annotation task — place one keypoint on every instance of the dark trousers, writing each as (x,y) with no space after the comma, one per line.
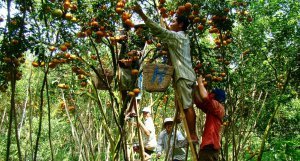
(148,151)
(208,153)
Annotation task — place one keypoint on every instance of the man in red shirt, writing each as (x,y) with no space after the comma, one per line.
(210,103)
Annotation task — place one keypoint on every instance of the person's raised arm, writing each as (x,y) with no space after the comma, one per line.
(156,29)
(202,90)
(143,127)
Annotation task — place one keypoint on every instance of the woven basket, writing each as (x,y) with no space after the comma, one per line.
(157,77)
(100,82)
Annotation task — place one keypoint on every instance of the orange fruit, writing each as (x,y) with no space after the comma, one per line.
(136,91)
(119,10)
(131,94)
(164,52)
(125,16)
(134,72)
(94,23)
(74,7)
(196,19)
(52,48)
(120,4)
(52,65)
(191,17)
(83,84)
(100,33)
(63,47)
(67,44)
(188,6)
(62,86)
(71,108)
(158,45)
(68,16)
(129,23)
(165,15)
(181,9)
(42,64)
(200,27)
(163,10)
(162,1)
(195,13)
(67,55)
(223,74)
(102,28)
(94,57)
(80,76)
(35,64)
(67,5)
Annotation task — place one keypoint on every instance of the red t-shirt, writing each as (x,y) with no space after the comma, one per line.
(214,115)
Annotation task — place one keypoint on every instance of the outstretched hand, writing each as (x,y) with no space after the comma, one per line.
(200,80)
(158,155)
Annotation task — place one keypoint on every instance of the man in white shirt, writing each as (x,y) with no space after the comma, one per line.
(166,142)
(148,130)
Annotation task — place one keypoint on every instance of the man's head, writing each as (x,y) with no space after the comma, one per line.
(146,112)
(168,122)
(219,94)
(180,23)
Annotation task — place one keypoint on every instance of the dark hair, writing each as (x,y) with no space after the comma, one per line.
(220,95)
(183,19)
(168,123)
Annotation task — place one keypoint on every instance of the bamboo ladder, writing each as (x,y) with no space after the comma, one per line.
(193,150)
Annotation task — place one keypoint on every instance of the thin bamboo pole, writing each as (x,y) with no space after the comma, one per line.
(194,154)
(141,144)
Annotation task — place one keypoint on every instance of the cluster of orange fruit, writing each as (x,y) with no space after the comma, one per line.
(223,40)
(99,31)
(59,58)
(214,77)
(70,108)
(14,61)
(63,86)
(163,11)
(18,75)
(12,58)
(242,12)
(211,74)
(67,7)
(125,15)
(132,58)
(81,75)
(134,92)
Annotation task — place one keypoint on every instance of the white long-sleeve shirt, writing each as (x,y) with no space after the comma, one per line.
(162,145)
(179,48)
(150,141)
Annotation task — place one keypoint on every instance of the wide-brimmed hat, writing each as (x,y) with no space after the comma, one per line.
(146,109)
(168,120)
